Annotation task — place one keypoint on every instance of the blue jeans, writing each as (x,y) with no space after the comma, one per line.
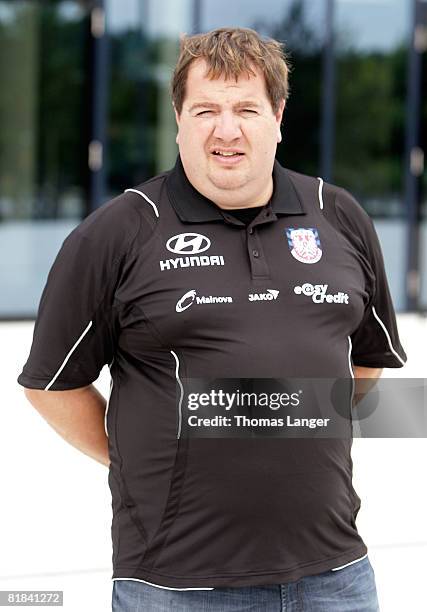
(350,589)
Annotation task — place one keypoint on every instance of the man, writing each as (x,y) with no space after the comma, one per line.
(229,266)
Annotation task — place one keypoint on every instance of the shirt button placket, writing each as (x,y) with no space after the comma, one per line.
(259,267)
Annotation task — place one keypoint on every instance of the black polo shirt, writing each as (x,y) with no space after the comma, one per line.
(164,286)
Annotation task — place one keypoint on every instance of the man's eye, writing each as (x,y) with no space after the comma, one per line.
(203,113)
(248,110)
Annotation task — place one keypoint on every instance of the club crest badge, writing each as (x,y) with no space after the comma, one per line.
(304,244)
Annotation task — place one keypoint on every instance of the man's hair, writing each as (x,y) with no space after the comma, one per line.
(230,52)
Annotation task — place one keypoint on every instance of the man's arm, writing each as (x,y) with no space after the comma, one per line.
(365,379)
(77,416)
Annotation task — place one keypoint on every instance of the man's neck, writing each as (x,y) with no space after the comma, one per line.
(232,200)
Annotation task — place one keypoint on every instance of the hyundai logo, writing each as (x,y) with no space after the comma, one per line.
(188,244)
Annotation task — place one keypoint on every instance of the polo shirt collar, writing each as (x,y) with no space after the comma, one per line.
(193,207)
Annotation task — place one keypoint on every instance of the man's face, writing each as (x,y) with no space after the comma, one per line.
(227,137)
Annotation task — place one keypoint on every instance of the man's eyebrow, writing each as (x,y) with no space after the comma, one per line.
(207,104)
(203,105)
(248,103)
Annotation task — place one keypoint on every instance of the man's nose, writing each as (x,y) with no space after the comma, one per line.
(227,126)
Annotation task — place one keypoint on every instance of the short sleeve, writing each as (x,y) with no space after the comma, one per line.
(376,342)
(73,335)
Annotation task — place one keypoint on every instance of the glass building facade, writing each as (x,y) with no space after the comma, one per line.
(85,112)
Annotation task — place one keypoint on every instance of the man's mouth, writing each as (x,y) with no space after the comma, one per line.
(227,153)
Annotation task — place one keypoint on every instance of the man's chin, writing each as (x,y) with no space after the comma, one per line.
(228,179)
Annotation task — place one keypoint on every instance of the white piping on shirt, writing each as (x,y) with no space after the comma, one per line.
(168,588)
(182,393)
(108,401)
(145,198)
(62,366)
(320,193)
(334,569)
(387,336)
(350,366)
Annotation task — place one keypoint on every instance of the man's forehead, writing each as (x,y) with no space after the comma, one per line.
(201,88)
(198,71)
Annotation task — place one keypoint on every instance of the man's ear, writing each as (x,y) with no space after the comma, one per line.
(280,109)
(177,118)
(279,117)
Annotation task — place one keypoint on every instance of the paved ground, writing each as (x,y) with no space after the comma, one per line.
(55,507)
